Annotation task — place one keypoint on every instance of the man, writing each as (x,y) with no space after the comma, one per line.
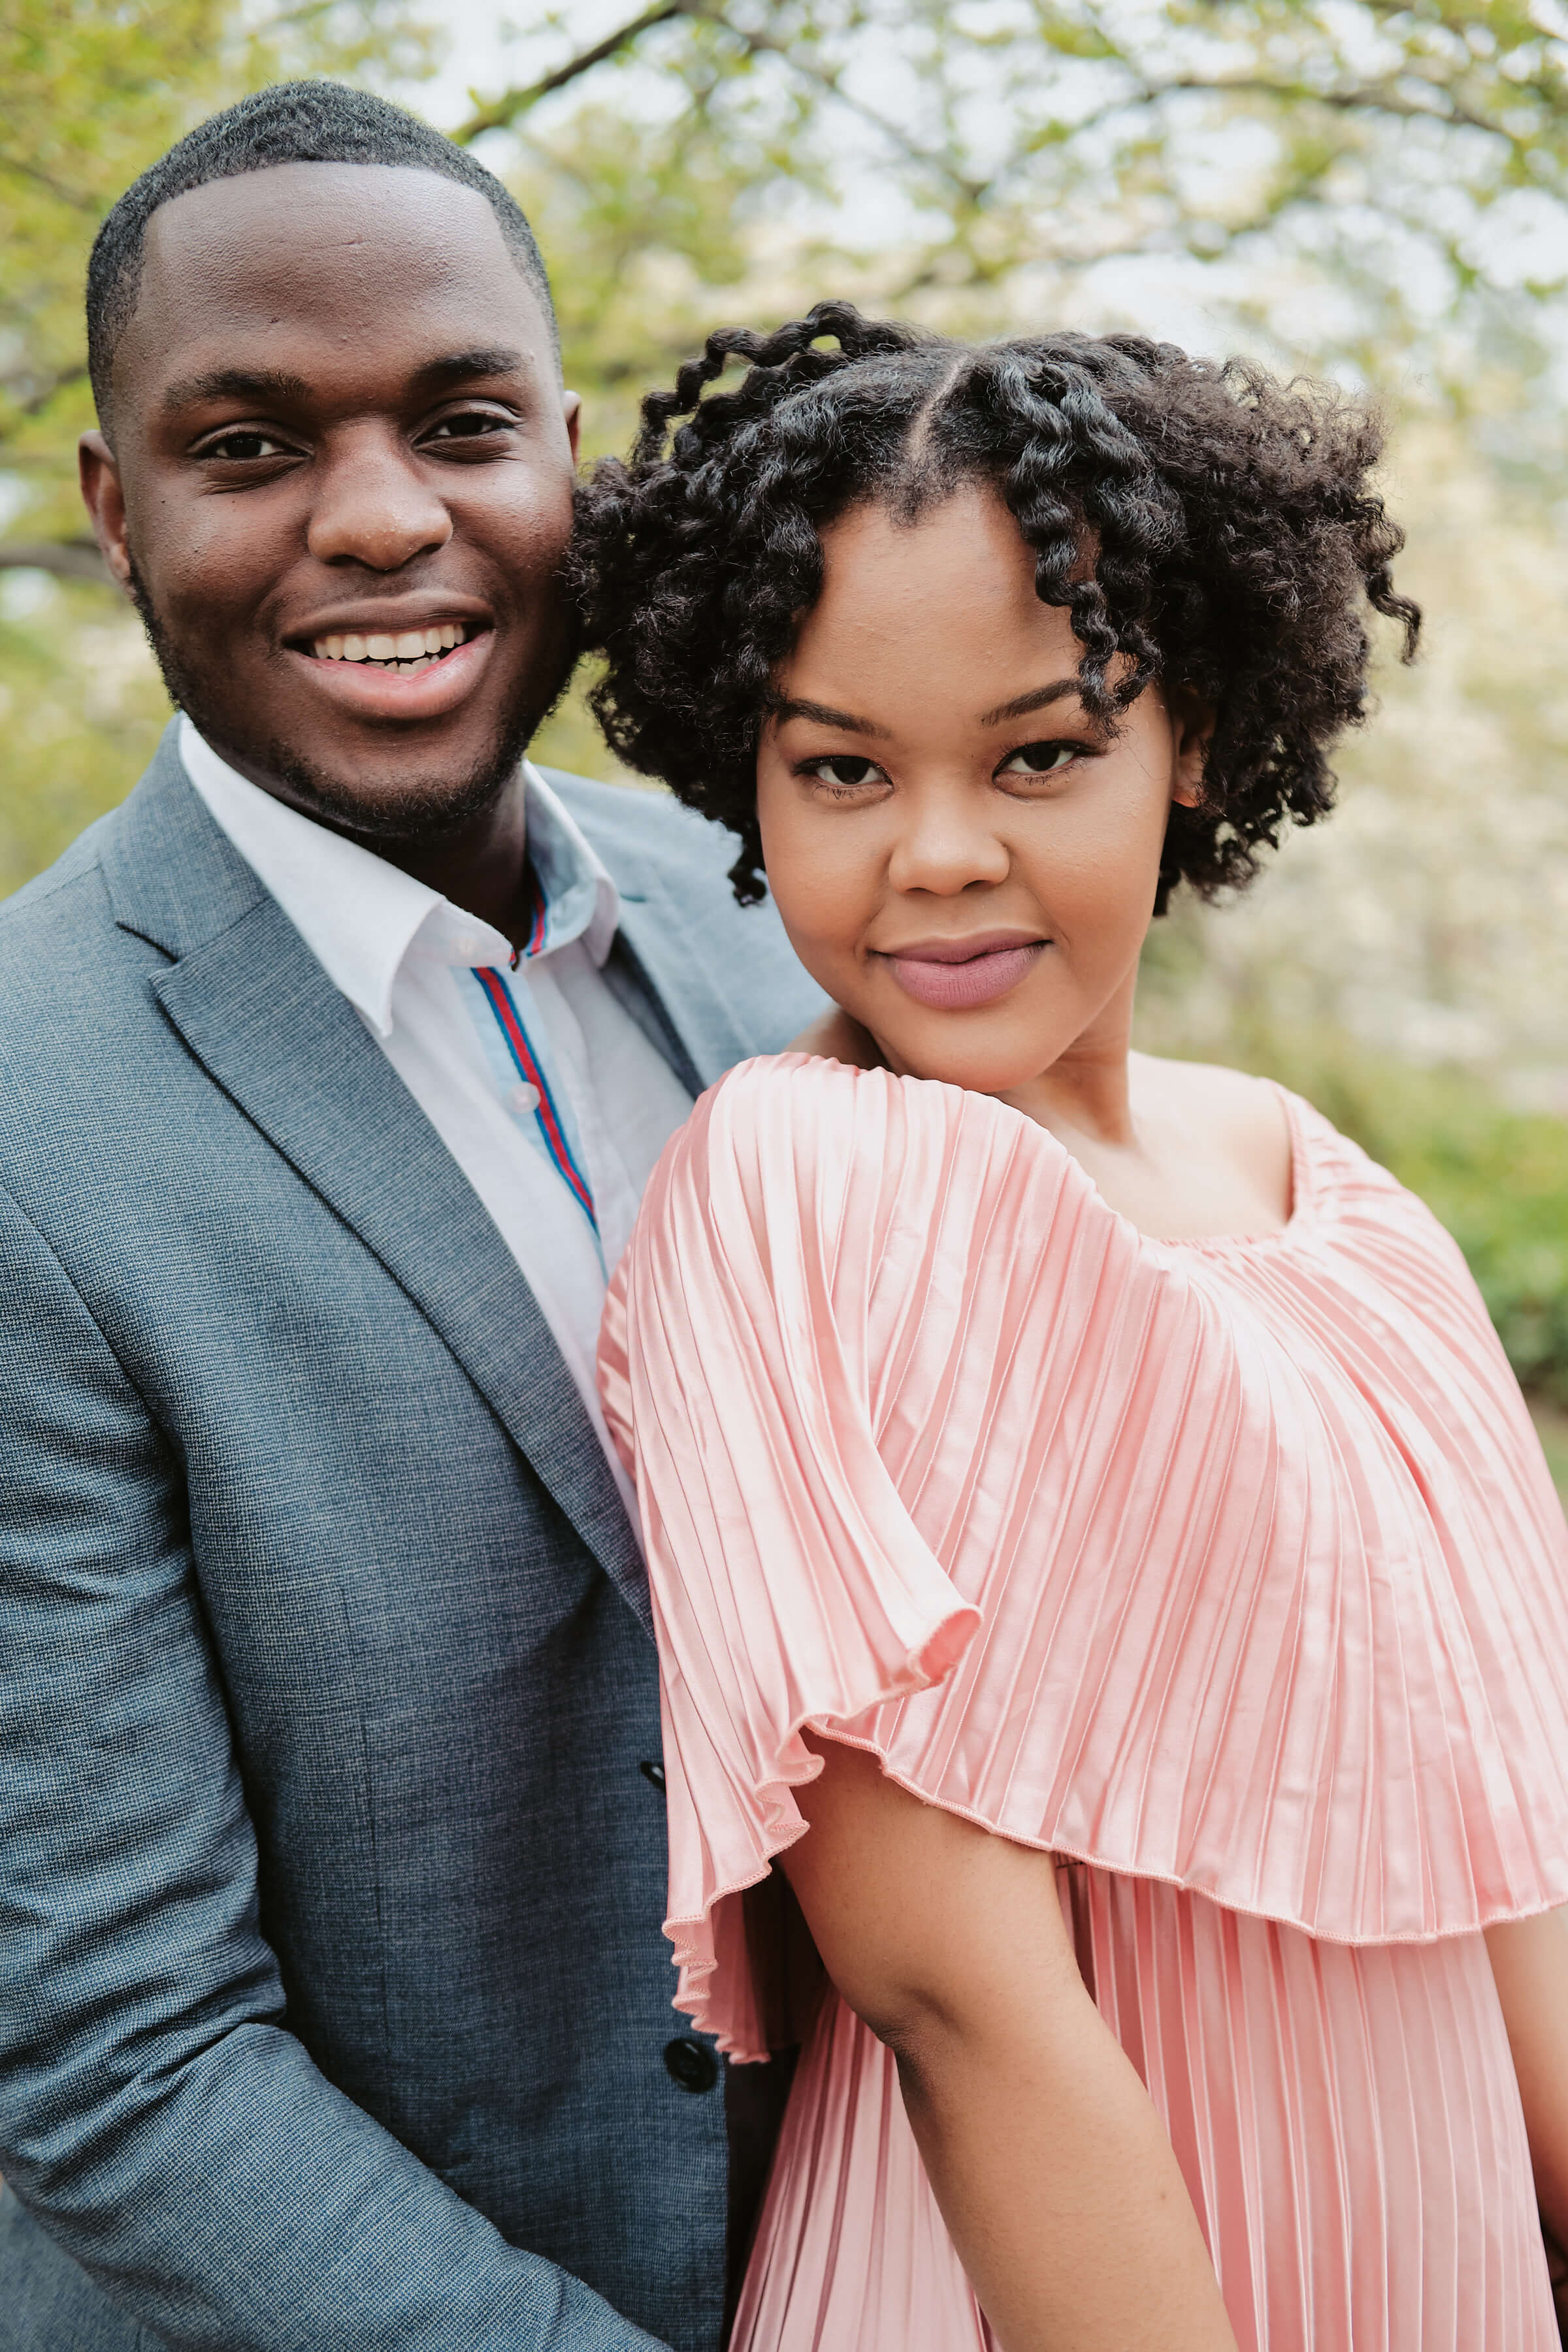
(335,2009)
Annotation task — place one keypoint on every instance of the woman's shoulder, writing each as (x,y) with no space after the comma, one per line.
(1280,1137)
(812,1096)
(1249,1115)
(808,1087)
(799,1126)
(798,1176)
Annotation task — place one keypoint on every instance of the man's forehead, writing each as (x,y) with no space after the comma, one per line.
(307,268)
(311,239)
(378,204)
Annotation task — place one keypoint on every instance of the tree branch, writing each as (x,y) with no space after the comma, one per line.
(763,45)
(63,559)
(33,402)
(52,187)
(501,112)
(1446,110)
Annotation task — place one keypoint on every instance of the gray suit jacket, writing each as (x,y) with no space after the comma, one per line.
(334,2011)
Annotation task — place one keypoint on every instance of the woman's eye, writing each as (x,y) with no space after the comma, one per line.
(1039,759)
(243,448)
(845,771)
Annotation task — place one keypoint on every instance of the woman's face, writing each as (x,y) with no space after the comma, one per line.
(963,857)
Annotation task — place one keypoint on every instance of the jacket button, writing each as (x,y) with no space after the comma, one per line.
(654,1772)
(693,2065)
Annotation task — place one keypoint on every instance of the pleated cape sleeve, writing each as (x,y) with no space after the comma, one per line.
(1235,1566)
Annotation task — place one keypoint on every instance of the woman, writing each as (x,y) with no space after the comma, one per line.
(1095,1542)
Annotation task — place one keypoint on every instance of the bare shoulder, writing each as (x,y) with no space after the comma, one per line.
(1223,1114)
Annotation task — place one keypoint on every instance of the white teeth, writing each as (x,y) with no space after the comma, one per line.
(413,649)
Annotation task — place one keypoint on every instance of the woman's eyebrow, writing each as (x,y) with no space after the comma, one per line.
(1022,704)
(822,714)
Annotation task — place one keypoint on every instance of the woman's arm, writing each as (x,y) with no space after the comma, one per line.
(1051,2168)
(1529,1962)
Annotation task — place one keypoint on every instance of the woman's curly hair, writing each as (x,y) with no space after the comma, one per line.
(1211,525)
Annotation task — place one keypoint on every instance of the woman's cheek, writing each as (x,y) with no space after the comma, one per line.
(821,896)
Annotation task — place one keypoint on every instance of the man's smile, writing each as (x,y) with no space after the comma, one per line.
(408,651)
(389,663)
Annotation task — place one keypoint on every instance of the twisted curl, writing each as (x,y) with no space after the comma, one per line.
(1201,524)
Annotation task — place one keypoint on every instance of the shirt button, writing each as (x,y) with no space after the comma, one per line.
(523,1098)
(470,950)
(693,2065)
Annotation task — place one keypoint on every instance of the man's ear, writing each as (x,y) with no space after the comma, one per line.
(1192,733)
(105,502)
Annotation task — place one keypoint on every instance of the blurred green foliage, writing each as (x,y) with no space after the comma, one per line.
(80,712)
(1551,1425)
(1497,1178)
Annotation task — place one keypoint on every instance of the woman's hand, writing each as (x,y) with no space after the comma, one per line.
(1053,2171)
(1530,1964)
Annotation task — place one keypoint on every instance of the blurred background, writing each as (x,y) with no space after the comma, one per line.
(1370,190)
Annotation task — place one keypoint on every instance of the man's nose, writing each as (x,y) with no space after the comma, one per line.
(946,845)
(376,505)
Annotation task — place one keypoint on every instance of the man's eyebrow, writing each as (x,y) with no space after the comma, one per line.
(822,714)
(261,384)
(1021,706)
(262,387)
(461,367)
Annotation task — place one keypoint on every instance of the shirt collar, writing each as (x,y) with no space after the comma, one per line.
(582,901)
(361,918)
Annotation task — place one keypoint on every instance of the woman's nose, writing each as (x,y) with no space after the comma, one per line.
(375,507)
(946,845)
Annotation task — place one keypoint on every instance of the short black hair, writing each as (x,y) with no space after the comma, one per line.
(291,122)
(1210,525)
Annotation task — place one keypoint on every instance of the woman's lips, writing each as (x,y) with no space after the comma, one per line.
(950,978)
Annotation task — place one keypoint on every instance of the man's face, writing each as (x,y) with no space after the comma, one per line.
(339,435)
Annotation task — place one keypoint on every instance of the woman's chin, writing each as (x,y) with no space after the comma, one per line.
(990,1049)
(980,1065)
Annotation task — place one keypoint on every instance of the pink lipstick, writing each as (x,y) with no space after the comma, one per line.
(955,975)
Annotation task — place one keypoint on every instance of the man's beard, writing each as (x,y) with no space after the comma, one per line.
(420,810)
(424,810)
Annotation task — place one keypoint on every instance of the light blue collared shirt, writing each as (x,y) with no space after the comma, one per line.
(434,984)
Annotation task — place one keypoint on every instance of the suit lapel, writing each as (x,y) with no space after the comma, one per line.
(258,1011)
(653,945)
(712,983)
(684,1011)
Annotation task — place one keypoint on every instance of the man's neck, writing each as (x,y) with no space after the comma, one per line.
(482,866)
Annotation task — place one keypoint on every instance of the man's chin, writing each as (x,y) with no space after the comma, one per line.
(400,807)
(413,806)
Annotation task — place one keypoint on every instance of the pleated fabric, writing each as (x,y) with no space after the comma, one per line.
(1228,1571)
(1345,2118)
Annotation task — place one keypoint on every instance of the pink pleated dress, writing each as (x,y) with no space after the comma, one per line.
(1227,1573)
